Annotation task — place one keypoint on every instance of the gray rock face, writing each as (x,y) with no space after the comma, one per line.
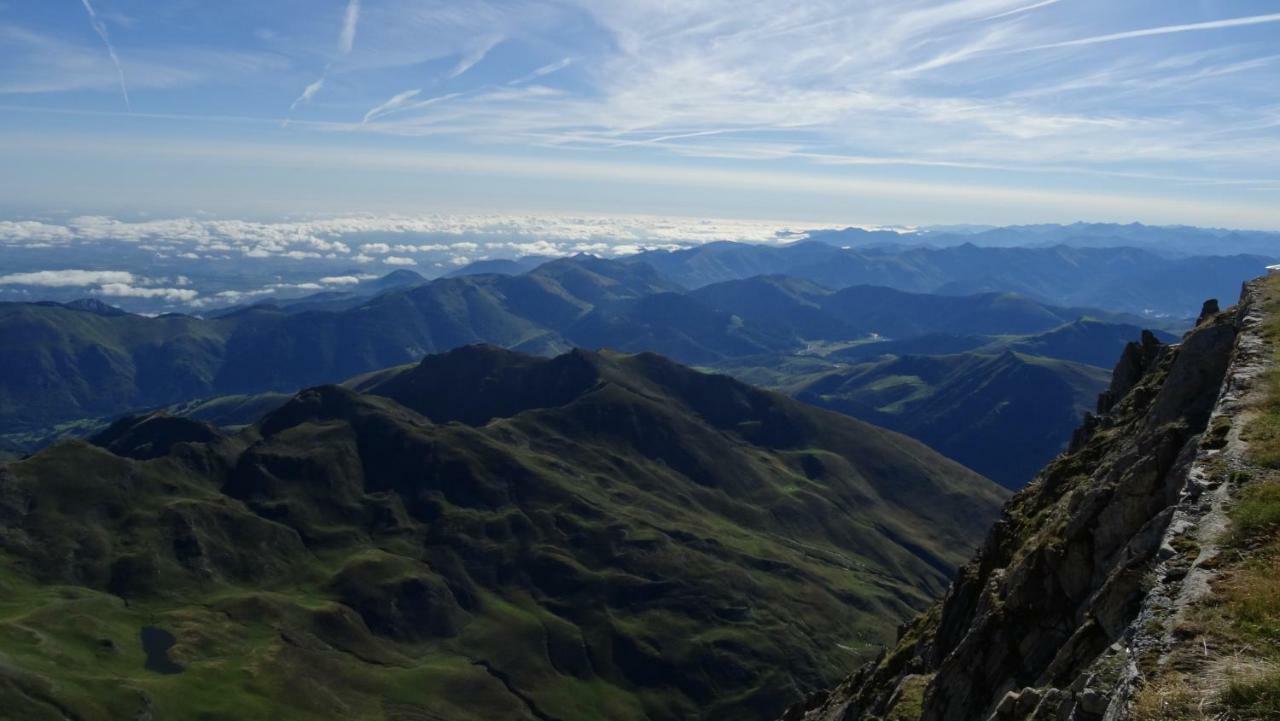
(1023,630)
(1135,361)
(1209,310)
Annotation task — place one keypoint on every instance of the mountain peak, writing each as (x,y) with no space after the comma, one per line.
(148,436)
(93,305)
(477,383)
(400,278)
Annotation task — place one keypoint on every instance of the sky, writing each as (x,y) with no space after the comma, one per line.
(908,112)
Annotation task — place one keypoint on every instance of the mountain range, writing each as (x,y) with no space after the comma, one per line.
(482,535)
(64,365)
(1166,240)
(1122,279)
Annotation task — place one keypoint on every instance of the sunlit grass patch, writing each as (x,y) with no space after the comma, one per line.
(1257,512)
(1263,434)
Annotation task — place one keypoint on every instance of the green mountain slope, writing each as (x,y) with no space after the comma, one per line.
(1004,416)
(59,363)
(808,311)
(590,536)
(677,325)
(1086,340)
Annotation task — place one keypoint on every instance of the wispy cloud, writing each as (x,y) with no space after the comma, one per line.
(1023,9)
(474,56)
(350,21)
(346,43)
(1165,30)
(543,71)
(920,89)
(718,80)
(309,92)
(101,28)
(398,101)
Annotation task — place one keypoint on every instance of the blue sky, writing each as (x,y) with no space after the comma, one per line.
(843,111)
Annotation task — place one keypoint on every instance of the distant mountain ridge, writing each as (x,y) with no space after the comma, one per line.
(59,363)
(1121,279)
(1004,415)
(1173,240)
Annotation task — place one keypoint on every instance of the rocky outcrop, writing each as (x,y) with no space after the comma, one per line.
(1042,624)
(1208,310)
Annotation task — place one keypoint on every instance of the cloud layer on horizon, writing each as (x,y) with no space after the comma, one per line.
(431,244)
(349,236)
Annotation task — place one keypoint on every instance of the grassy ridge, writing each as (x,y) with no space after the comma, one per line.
(656,544)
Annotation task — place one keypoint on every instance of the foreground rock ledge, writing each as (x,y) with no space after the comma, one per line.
(1078,578)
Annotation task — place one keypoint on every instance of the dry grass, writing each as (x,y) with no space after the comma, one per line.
(1250,599)
(1253,698)
(1232,688)
(1169,698)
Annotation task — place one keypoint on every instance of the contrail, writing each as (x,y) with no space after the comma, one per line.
(542,71)
(347,39)
(395,103)
(101,29)
(310,92)
(1166,30)
(1023,9)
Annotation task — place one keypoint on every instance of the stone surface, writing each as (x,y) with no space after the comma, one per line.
(1040,624)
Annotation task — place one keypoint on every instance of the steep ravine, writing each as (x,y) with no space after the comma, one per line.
(1072,597)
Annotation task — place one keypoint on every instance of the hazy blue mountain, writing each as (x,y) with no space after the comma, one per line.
(1087,340)
(335,300)
(809,311)
(500,266)
(676,325)
(1175,240)
(1004,415)
(1120,279)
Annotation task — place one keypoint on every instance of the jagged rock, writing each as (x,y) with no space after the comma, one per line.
(1028,700)
(1092,701)
(1209,310)
(1054,705)
(1007,706)
(1081,436)
(1063,575)
(1136,359)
